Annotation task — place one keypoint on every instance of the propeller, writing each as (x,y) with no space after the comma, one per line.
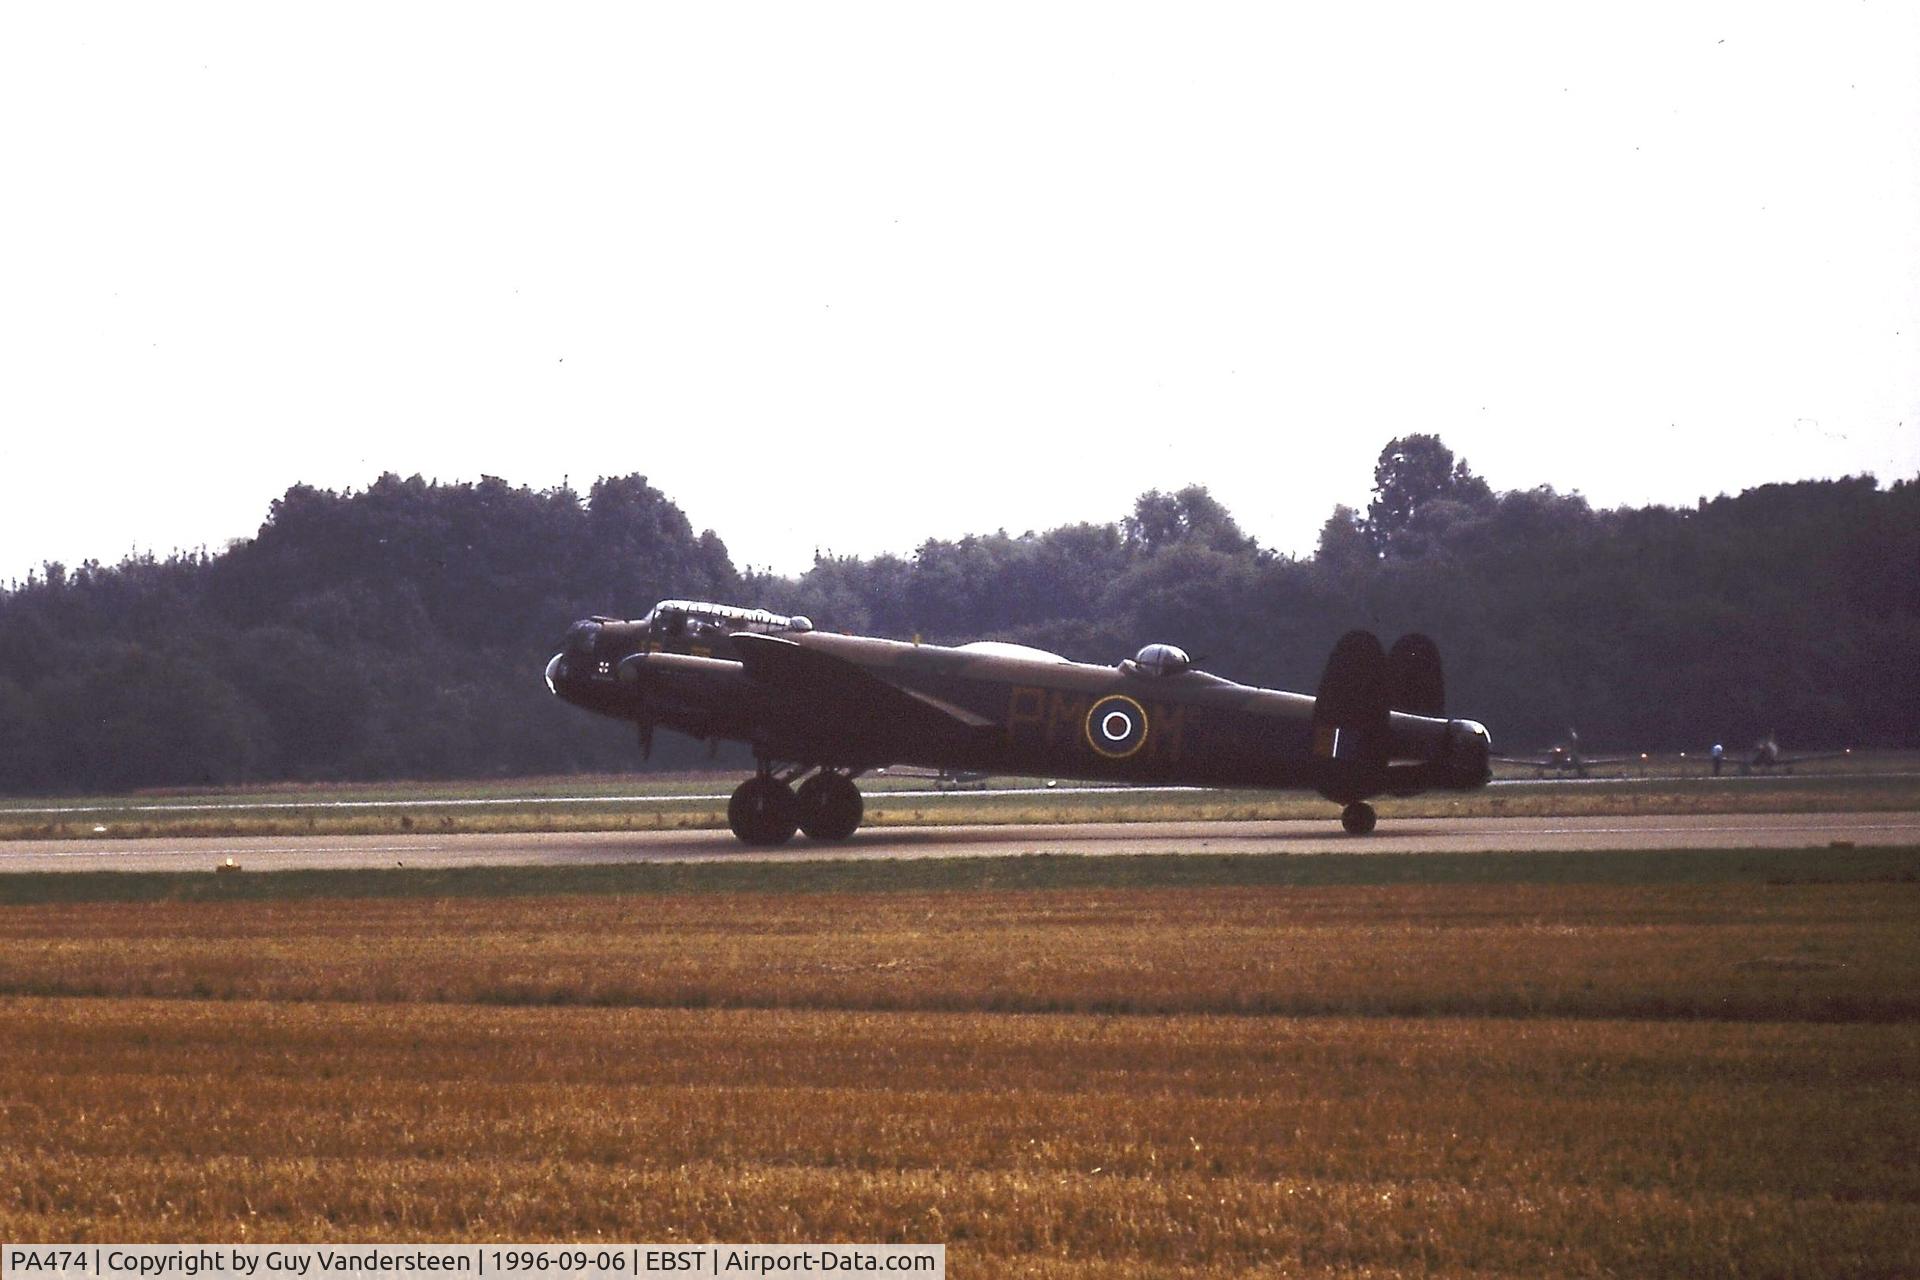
(628,674)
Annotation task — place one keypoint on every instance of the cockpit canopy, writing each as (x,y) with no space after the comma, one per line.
(582,635)
(1159,660)
(698,620)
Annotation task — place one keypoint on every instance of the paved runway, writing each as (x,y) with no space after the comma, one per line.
(1409,835)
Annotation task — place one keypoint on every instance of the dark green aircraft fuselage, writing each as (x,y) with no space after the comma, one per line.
(852,703)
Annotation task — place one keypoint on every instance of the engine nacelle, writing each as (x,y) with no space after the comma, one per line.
(1468,755)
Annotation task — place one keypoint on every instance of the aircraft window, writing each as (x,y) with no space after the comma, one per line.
(725,619)
(581,635)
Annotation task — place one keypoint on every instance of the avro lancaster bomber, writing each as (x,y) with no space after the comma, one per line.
(820,710)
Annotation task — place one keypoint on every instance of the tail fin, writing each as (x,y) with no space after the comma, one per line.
(1350,710)
(1414,682)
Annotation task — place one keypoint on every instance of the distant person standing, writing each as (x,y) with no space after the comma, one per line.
(1719,758)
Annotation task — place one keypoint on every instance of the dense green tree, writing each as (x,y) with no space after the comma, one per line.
(398,631)
(1344,546)
(1415,475)
(131,715)
(1161,520)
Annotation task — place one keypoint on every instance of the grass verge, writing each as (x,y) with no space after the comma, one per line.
(1890,865)
(645,805)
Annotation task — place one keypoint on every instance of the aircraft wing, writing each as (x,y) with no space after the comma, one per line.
(1825,755)
(843,692)
(1551,762)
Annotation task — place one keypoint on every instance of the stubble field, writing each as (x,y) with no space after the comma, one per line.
(1710,1070)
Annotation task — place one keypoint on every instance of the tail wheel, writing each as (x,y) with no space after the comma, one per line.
(1358,818)
(763,811)
(830,806)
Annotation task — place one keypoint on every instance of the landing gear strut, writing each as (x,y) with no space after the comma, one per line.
(1358,818)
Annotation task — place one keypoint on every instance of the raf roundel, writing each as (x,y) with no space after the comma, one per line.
(1117,727)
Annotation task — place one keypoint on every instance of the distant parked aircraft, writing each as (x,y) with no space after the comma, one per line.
(1767,755)
(943,779)
(1563,757)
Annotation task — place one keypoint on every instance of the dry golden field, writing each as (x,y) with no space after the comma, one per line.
(1480,1079)
(1810,952)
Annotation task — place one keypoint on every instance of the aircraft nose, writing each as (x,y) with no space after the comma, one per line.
(575,660)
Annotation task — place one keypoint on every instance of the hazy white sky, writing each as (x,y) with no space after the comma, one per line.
(845,276)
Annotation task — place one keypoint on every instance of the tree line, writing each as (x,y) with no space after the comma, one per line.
(398,631)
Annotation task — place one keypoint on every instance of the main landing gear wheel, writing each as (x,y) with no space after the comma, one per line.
(763,810)
(830,806)
(1358,818)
